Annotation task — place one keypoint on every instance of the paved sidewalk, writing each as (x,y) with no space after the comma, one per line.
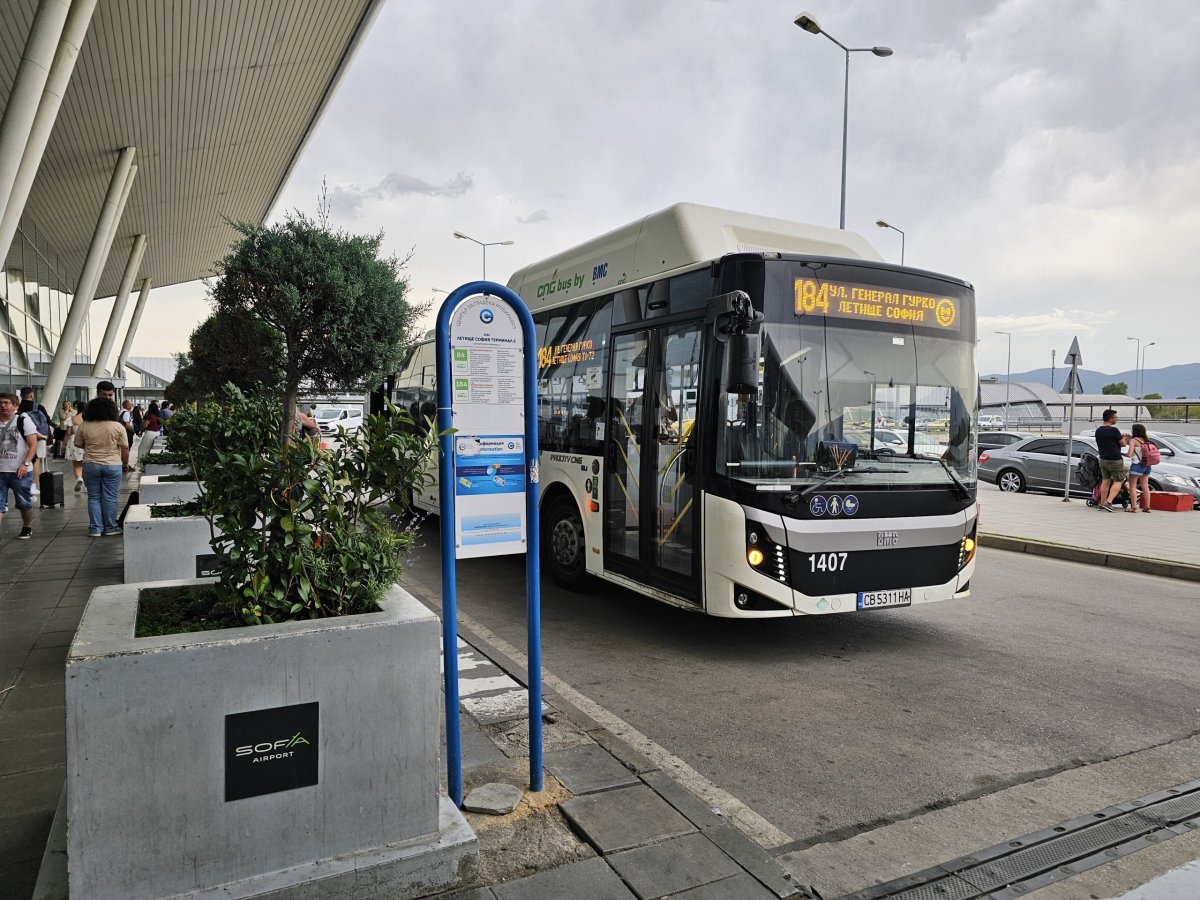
(1161,543)
(45,583)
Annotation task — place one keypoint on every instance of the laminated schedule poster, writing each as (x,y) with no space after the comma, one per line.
(488,398)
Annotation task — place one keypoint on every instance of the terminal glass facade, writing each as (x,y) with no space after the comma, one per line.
(35,296)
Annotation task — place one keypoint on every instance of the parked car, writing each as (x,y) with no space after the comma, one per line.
(1182,449)
(990,440)
(896,441)
(1177,448)
(1040,464)
(331,418)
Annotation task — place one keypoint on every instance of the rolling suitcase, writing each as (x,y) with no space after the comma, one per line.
(51,487)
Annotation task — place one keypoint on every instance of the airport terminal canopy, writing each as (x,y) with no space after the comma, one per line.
(219,99)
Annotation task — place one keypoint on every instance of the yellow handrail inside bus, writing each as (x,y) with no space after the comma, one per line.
(682,445)
(675,524)
(628,499)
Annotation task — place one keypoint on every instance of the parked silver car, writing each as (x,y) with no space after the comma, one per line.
(1040,464)
(989,440)
(1177,448)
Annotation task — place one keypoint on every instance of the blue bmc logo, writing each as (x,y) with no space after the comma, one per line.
(600,271)
(486,316)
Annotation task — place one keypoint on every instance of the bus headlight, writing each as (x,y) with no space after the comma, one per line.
(966,550)
(764,555)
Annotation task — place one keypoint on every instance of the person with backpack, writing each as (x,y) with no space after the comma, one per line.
(41,421)
(1144,455)
(18,449)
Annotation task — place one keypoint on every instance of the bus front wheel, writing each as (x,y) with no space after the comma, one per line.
(563,546)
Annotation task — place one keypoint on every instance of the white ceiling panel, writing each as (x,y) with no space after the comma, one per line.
(218,97)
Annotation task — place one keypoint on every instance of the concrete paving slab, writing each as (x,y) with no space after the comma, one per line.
(493,799)
(672,866)
(591,878)
(754,859)
(587,769)
(482,893)
(32,753)
(625,818)
(739,887)
(694,808)
(634,760)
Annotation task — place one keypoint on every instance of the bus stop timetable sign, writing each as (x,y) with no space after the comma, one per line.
(487,368)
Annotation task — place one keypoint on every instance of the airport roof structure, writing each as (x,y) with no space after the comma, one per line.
(217,96)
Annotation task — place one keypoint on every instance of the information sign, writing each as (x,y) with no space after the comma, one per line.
(863,301)
(487,362)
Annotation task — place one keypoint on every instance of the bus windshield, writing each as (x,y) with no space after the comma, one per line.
(904,393)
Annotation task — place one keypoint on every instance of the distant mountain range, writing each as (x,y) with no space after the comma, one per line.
(1171,381)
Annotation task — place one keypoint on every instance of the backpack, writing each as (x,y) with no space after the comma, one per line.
(40,422)
(1150,454)
(1088,471)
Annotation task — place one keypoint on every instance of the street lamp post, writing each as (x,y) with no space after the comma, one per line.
(1007,378)
(809,24)
(883,224)
(484,245)
(1141,370)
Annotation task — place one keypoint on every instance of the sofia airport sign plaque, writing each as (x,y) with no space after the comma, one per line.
(488,397)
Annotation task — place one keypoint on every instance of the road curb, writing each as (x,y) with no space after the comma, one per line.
(1160,567)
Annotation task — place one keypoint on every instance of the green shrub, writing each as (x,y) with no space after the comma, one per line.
(305,532)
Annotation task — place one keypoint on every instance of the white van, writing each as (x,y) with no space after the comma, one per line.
(990,421)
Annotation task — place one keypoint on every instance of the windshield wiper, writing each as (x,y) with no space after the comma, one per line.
(958,487)
(841,473)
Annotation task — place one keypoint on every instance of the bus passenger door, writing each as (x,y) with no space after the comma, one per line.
(650,513)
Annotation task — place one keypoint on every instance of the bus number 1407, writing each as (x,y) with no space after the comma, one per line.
(827,562)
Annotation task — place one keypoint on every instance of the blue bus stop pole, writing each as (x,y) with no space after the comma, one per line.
(445,422)
(449,550)
(533,574)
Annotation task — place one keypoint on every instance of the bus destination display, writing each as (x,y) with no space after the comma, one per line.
(875,304)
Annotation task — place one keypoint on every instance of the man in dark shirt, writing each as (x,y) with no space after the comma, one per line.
(1109,442)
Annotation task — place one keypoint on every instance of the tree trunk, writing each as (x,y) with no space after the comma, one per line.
(288,427)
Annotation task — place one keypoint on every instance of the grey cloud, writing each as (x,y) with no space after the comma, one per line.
(349,199)
(539,215)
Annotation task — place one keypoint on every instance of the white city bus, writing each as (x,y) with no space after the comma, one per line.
(750,417)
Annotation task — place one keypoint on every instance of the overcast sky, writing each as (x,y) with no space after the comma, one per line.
(1048,151)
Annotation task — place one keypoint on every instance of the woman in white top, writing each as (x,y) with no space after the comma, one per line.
(1139,472)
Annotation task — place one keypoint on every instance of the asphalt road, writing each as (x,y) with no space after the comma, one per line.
(829,726)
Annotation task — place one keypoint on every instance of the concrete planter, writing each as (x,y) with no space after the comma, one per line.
(176,746)
(163,469)
(163,549)
(151,489)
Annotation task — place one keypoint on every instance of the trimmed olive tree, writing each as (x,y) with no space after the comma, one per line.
(339,308)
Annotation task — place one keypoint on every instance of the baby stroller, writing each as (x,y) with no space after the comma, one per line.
(1087,473)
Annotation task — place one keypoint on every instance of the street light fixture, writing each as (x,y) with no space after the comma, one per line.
(809,24)
(484,245)
(1137,365)
(1007,378)
(883,224)
(1141,370)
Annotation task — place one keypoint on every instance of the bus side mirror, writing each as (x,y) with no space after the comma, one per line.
(741,370)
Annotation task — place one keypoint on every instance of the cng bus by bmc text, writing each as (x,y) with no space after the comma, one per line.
(749,417)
